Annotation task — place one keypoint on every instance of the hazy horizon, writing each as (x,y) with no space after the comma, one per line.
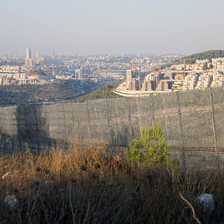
(99,27)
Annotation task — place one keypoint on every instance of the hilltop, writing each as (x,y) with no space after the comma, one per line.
(191,59)
(205,55)
(102,92)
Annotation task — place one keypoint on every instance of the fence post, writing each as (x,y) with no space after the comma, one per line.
(2,134)
(6,129)
(138,112)
(37,126)
(87,111)
(152,108)
(19,126)
(71,105)
(129,120)
(58,135)
(108,122)
(96,120)
(214,125)
(181,131)
(65,132)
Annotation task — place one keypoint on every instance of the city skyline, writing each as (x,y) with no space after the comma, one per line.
(99,27)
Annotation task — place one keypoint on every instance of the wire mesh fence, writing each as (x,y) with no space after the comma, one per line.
(192,122)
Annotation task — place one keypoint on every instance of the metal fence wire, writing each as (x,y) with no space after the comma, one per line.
(192,122)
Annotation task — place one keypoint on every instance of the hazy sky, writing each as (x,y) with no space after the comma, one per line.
(111,27)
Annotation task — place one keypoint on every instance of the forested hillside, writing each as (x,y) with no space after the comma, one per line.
(205,55)
(25,94)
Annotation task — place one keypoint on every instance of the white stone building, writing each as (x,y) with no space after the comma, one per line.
(189,82)
(204,81)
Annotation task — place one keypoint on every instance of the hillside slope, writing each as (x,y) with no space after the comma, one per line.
(206,55)
(103,92)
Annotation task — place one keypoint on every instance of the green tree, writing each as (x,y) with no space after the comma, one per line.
(151,149)
(205,66)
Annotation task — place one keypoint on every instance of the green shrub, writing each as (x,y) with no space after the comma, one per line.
(151,149)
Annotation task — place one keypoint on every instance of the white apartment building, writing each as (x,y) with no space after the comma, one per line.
(190,82)
(218,80)
(204,81)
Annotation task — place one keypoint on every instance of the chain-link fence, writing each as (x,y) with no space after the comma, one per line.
(192,122)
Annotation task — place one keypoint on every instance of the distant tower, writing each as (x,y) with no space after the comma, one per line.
(78,73)
(29,58)
(129,76)
(53,54)
(37,58)
(28,53)
(53,72)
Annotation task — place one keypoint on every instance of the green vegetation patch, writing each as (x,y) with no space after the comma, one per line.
(102,92)
(205,55)
(151,149)
(58,91)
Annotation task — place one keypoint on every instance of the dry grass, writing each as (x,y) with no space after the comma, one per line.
(92,185)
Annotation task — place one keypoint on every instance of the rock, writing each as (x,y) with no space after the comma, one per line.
(206,202)
(11,201)
(5,175)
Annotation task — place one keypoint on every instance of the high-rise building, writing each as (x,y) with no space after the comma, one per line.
(53,54)
(131,82)
(78,73)
(37,56)
(28,53)
(39,60)
(29,58)
(129,75)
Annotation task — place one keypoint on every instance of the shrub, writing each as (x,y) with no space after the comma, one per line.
(95,185)
(151,149)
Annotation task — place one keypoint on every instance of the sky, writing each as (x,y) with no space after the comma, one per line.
(90,27)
